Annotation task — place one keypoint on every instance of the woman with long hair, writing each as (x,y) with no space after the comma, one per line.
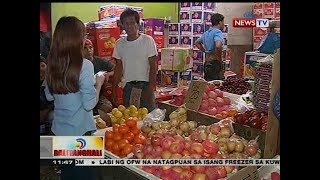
(70,83)
(70,80)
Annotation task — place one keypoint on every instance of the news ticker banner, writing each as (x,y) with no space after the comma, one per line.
(167,162)
(71,147)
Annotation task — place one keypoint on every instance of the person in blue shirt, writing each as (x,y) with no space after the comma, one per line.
(70,81)
(211,43)
(271,42)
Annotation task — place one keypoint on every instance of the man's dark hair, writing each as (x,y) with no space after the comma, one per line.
(216,18)
(42,59)
(130,12)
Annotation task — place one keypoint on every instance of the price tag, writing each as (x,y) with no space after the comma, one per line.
(135,97)
(247,173)
(195,93)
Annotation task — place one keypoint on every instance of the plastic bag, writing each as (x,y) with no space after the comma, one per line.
(154,116)
(244,103)
(268,59)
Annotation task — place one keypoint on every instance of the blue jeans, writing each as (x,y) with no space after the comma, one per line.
(149,103)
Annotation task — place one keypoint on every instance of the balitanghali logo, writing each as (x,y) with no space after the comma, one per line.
(75,147)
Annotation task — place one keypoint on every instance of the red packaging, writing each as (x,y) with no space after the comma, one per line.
(268,5)
(259,31)
(258,6)
(277,14)
(277,4)
(104,40)
(159,40)
(258,13)
(269,13)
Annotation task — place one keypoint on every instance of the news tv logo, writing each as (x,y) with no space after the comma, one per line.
(249,23)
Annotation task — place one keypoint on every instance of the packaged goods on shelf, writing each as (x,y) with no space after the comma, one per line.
(174,28)
(103,38)
(114,11)
(175,79)
(196,16)
(197,29)
(198,67)
(186,41)
(251,63)
(176,59)
(185,6)
(174,41)
(196,6)
(185,29)
(198,56)
(185,17)
(155,28)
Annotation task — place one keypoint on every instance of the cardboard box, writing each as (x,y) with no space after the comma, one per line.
(186,41)
(258,6)
(154,27)
(196,6)
(251,64)
(198,67)
(185,29)
(196,16)
(198,55)
(174,29)
(207,17)
(209,6)
(176,79)
(197,29)
(277,14)
(185,17)
(259,31)
(268,5)
(194,38)
(103,39)
(114,11)
(176,59)
(258,13)
(173,41)
(185,6)
(159,40)
(269,13)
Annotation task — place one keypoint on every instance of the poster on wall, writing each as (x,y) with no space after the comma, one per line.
(185,29)
(185,6)
(197,29)
(196,17)
(174,29)
(184,17)
(209,6)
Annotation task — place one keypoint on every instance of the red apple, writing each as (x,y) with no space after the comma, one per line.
(148,169)
(210,147)
(166,142)
(212,95)
(229,169)
(218,92)
(185,153)
(157,151)
(221,171)
(187,144)
(207,89)
(205,96)
(176,156)
(186,174)
(177,169)
(212,87)
(176,147)
(197,148)
(148,141)
(220,102)
(212,173)
(227,101)
(178,138)
(166,154)
(198,169)
(199,176)
(212,111)
(215,129)
(195,156)
(148,149)
(156,140)
(206,155)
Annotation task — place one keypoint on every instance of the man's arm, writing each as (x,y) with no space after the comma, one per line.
(199,45)
(153,71)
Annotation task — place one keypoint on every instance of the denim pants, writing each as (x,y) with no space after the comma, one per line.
(147,103)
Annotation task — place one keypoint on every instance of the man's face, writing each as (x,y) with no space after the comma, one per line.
(221,25)
(130,25)
(88,52)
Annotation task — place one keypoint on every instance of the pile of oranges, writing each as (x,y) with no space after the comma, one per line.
(121,139)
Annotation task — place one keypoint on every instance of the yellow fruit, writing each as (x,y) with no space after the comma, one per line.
(118,114)
(114,110)
(134,114)
(121,108)
(126,112)
(140,111)
(126,116)
(139,118)
(114,120)
(144,111)
(133,109)
(144,116)
(122,121)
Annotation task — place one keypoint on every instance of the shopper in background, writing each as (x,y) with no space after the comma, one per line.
(99,65)
(271,42)
(136,62)
(45,41)
(211,43)
(46,107)
(70,83)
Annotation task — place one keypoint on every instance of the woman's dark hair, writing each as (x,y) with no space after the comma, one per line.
(216,18)
(66,56)
(130,12)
